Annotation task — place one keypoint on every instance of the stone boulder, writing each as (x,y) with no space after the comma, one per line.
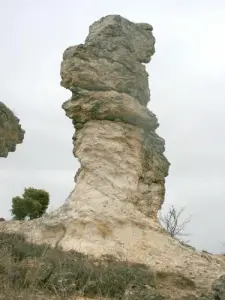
(11,132)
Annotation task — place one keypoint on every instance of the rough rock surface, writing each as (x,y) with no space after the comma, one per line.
(11,132)
(123,168)
(120,184)
(218,288)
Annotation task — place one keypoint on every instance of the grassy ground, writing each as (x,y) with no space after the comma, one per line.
(38,272)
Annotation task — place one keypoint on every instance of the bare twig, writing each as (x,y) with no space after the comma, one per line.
(172,222)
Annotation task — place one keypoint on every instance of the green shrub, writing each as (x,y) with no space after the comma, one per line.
(32,204)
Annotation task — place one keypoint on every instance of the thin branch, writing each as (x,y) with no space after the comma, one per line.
(173,223)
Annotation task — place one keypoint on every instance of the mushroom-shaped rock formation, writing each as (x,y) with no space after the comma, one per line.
(11,132)
(120,184)
(123,168)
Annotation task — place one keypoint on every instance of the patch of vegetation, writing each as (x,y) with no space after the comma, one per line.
(41,269)
(33,204)
(29,271)
(176,279)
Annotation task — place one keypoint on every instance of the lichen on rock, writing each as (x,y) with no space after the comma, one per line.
(11,132)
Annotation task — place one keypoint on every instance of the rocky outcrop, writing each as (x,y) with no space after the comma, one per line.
(122,163)
(120,184)
(218,288)
(11,132)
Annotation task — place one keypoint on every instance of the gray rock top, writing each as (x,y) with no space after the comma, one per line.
(111,59)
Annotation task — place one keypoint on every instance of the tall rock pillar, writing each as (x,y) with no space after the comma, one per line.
(123,168)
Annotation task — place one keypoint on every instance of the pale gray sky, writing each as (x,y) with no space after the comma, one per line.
(187,76)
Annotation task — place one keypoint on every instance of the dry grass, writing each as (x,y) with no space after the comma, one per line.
(34,271)
(177,280)
(39,272)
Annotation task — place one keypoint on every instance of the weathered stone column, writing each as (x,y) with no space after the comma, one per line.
(123,168)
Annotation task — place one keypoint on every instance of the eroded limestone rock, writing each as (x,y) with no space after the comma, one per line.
(11,132)
(120,184)
(121,156)
(111,59)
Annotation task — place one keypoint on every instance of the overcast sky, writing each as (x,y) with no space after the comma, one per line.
(187,82)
